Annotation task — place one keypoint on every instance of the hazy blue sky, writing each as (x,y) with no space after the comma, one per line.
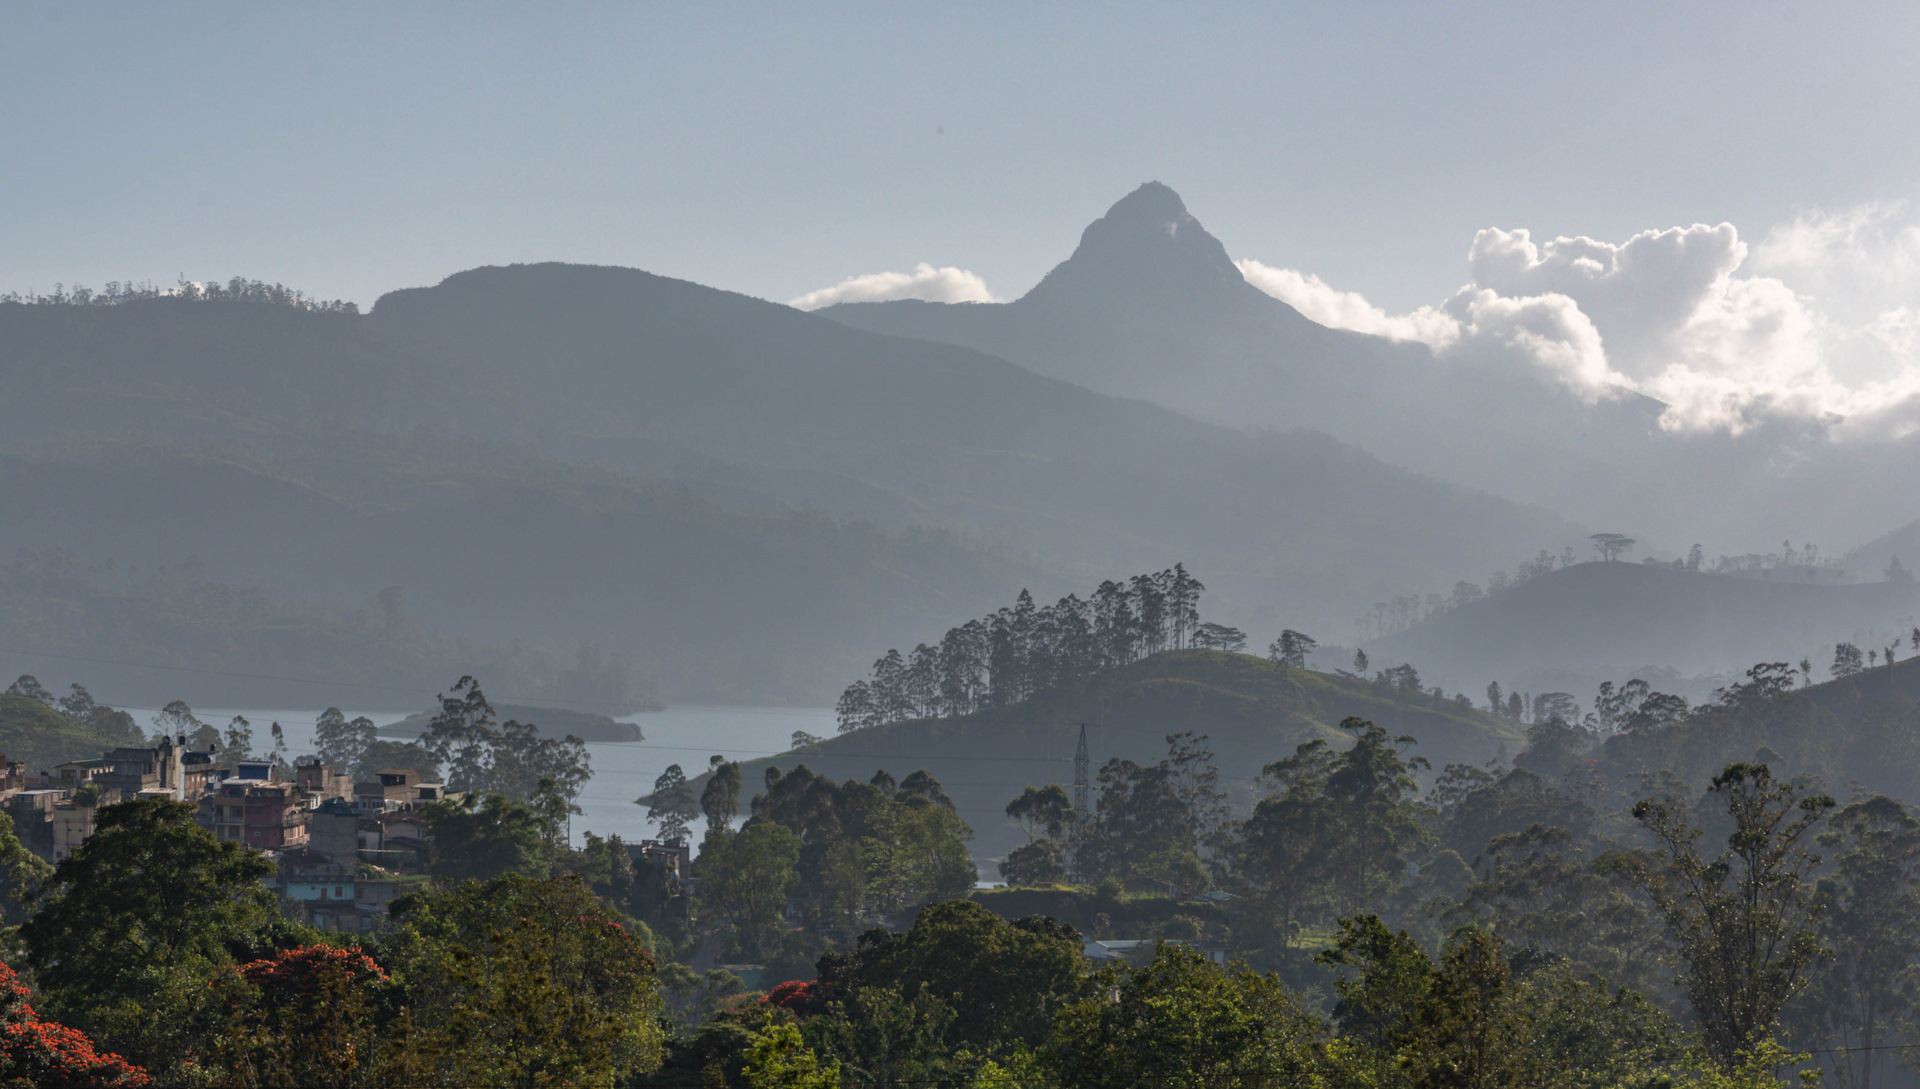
(350,149)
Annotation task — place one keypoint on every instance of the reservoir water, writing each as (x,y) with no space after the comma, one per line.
(622,771)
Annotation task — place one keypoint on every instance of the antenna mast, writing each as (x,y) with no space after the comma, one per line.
(1080,761)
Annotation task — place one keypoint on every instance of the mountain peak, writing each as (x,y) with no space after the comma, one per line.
(1154,202)
(1148,250)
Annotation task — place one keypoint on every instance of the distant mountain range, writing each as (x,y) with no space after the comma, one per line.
(575,453)
(1150,305)
(754,501)
(1591,622)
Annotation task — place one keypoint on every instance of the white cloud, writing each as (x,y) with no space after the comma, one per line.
(1547,330)
(946,284)
(1330,306)
(1819,322)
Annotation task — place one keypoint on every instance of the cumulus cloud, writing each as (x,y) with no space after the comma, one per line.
(1819,321)
(945,284)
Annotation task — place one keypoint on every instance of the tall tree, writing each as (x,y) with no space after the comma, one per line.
(1611,546)
(1183,1020)
(236,743)
(29,686)
(177,719)
(1743,921)
(522,759)
(720,800)
(1292,648)
(672,804)
(136,921)
(855,708)
(1150,607)
(521,982)
(463,735)
(1872,925)
(745,878)
(1339,828)
(340,744)
(1184,598)
(482,836)
(1042,812)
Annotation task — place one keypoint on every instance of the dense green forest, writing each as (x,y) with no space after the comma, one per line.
(1271,876)
(1250,707)
(1713,897)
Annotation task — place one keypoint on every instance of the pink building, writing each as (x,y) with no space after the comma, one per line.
(266,816)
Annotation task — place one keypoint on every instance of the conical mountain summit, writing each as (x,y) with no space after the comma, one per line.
(1151,306)
(1148,250)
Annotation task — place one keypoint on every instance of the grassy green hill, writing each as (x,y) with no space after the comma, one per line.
(42,736)
(1253,710)
(1896,684)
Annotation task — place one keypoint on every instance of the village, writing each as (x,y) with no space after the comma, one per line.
(344,850)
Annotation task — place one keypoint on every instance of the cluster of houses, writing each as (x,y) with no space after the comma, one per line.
(320,826)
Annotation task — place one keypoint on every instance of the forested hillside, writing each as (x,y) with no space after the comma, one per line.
(465,415)
(41,734)
(1581,624)
(301,581)
(1251,710)
(171,632)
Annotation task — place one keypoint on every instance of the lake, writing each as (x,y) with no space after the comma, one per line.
(622,771)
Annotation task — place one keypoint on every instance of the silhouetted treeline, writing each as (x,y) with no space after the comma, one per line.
(1002,659)
(238,289)
(1804,564)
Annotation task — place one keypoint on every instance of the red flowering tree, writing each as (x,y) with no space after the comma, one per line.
(796,995)
(304,1017)
(49,1056)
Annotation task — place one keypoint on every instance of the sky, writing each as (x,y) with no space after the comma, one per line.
(347,150)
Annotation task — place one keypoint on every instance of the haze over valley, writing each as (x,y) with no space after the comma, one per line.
(1085,547)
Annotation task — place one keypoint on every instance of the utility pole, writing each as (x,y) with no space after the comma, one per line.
(1080,784)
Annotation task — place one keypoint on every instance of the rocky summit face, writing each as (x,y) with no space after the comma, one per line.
(1148,250)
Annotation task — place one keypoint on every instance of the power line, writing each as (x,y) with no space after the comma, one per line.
(288,680)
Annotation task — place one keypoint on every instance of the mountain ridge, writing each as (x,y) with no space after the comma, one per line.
(410,411)
(1141,309)
(1604,621)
